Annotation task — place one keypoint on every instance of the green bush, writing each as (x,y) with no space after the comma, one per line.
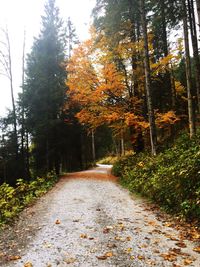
(14,199)
(171,179)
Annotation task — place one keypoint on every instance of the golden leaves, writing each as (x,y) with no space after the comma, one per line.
(14,258)
(166,119)
(70,260)
(28,264)
(169,256)
(84,236)
(196,249)
(105,256)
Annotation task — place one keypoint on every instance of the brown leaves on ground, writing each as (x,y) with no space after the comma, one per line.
(105,256)
(181,244)
(107,229)
(196,249)
(70,260)
(57,222)
(84,236)
(91,175)
(169,256)
(28,264)
(14,258)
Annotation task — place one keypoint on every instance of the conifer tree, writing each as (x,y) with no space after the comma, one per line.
(44,89)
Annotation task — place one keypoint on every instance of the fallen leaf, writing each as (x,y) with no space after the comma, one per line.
(14,258)
(118,238)
(168,224)
(29,264)
(181,244)
(176,250)
(93,250)
(169,256)
(77,220)
(153,223)
(128,238)
(132,257)
(143,246)
(140,257)
(103,257)
(83,236)
(187,261)
(57,222)
(197,249)
(70,260)
(91,238)
(107,229)
(109,254)
(111,246)
(128,250)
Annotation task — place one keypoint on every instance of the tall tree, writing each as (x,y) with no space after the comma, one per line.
(153,135)
(45,88)
(188,71)
(6,63)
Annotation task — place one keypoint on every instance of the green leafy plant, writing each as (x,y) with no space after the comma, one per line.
(171,179)
(14,199)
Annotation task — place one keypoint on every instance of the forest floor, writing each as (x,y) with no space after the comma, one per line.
(88,219)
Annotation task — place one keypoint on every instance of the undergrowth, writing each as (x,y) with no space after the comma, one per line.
(171,179)
(14,199)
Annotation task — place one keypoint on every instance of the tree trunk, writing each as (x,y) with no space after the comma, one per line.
(193,33)
(153,134)
(93,147)
(188,72)
(23,150)
(198,12)
(10,76)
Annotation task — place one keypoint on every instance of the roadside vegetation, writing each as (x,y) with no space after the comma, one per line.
(172,178)
(14,199)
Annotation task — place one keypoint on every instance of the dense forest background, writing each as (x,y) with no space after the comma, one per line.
(131,87)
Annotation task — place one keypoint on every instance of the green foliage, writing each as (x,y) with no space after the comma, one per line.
(107,160)
(45,91)
(14,199)
(171,179)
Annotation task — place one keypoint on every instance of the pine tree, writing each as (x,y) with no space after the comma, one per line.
(45,89)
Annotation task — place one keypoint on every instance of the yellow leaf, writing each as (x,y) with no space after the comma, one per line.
(197,249)
(187,261)
(128,250)
(83,236)
(70,260)
(14,258)
(140,257)
(109,254)
(28,264)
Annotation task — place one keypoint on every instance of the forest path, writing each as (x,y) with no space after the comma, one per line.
(88,220)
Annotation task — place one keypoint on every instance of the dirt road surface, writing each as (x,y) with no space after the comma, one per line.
(88,220)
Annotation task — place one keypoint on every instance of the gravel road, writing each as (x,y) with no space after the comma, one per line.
(86,220)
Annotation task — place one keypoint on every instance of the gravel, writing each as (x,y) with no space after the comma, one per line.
(89,220)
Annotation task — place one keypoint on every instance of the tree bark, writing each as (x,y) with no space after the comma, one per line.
(198,12)
(153,134)
(10,76)
(93,147)
(192,23)
(191,116)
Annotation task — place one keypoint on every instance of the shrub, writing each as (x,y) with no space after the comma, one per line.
(171,179)
(14,199)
